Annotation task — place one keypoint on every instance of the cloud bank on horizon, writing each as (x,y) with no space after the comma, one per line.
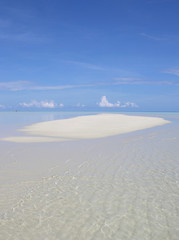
(104,103)
(41,104)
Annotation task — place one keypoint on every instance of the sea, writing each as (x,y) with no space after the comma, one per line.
(123,187)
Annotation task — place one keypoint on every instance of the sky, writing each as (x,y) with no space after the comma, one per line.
(106,55)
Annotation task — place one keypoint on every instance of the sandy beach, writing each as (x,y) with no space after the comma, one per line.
(86,127)
(107,188)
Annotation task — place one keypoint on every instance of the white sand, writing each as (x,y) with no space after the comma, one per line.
(86,127)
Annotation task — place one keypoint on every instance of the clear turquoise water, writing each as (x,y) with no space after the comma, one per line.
(10,122)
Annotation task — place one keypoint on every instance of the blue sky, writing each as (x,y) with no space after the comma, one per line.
(118,55)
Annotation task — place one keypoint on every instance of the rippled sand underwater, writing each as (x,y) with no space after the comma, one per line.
(123,187)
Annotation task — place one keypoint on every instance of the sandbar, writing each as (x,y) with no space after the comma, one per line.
(86,127)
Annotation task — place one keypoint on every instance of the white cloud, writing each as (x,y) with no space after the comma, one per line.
(61,105)
(27,85)
(23,37)
(43,88)
(80,105)
(41,104)
(128,80)
(105,103)
(156,38)
(172,71)
(140,81)
(129,104)
(15,86)
(86,65)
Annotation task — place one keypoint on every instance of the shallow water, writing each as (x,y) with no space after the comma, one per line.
(121,187)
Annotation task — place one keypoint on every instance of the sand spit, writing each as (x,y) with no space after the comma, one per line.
(86,127)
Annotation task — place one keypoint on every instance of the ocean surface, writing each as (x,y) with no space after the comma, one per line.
(124,187)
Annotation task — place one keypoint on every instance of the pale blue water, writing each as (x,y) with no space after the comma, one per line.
(12,121)
(122,187)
